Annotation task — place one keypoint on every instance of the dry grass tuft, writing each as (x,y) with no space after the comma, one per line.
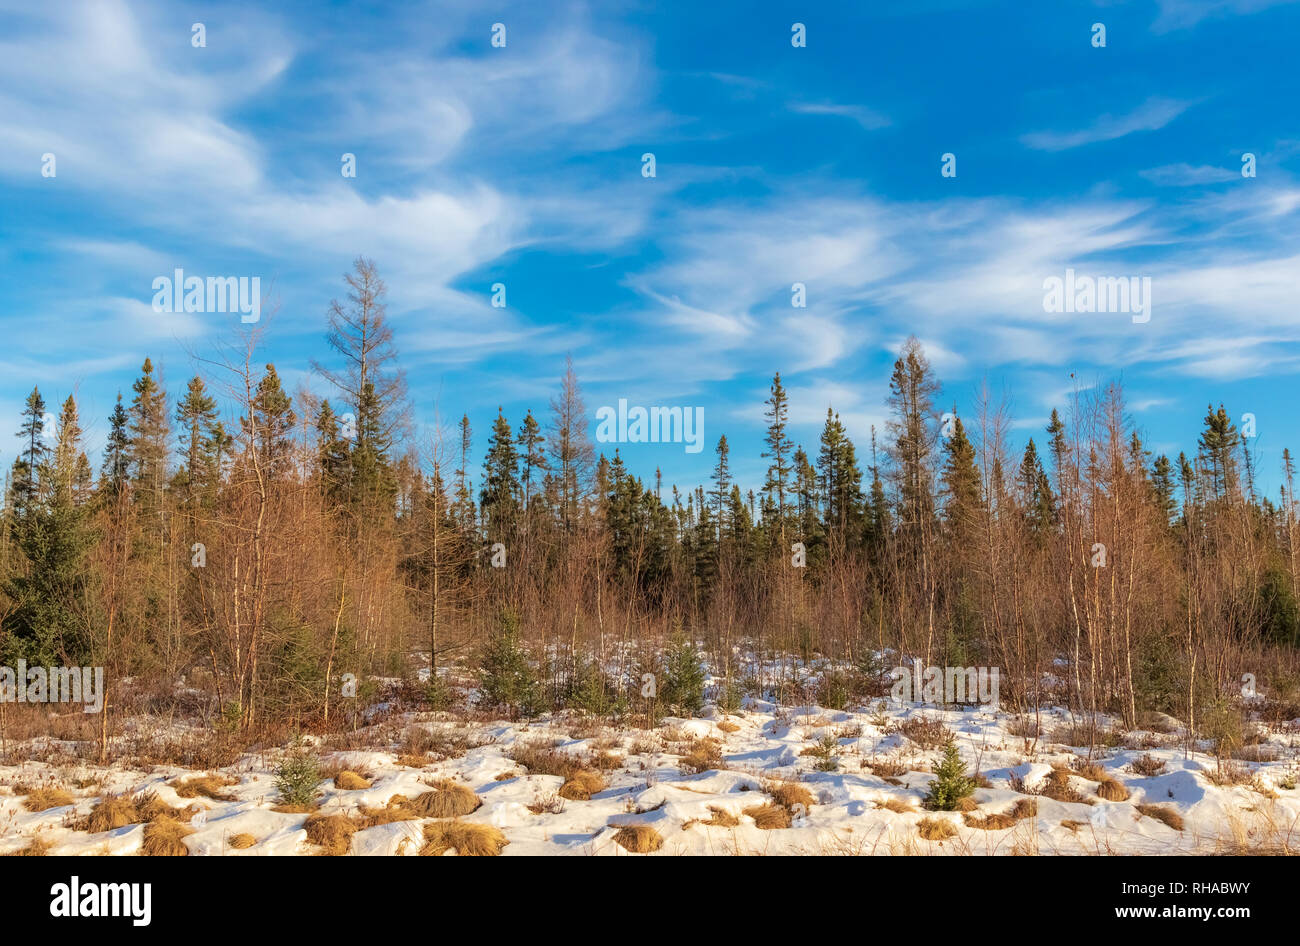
(886,768)
(398,810)
(468,840)
(209,786)
(703,755)
(1058,787)
(447,800)
(1112,789)
(728,726)
(1165,815)
(899,806)
(936,829)
(582,784)
(789,794)
(1024,808)
(35,848)
(638,838)
(333,833)
(721,818)
(165,838)
(350,781)
(926,733)
(43,799)
(1147,765)
(769,817)
(241,841)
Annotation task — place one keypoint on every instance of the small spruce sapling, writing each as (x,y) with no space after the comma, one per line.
(951,783)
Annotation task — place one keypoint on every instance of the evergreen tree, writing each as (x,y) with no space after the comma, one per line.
(683,680)
(501,490)
(195,415)
(49,624)
(961,481)
(117,450)
(721,485)
(1162,481)
(26,469)
(530,442)
(1036,493)
(149,438)
(779,447)
(951,784)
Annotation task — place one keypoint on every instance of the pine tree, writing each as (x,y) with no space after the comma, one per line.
(195,415)
(369,381)
(951,783)
(721,485)
(500,495)
(48,624)
(530,442)
(912,391)
(684,676)
(779,447)
(149,438)
(506,676)
(1219,440)
(271,424)
(1162,481)
(332,456)
(961,481)
(1036,493)
(117,450)
(26,469)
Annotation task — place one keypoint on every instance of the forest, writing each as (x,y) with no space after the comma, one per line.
(270,556)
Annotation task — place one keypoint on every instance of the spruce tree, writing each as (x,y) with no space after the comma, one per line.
(951,783)
(779,447)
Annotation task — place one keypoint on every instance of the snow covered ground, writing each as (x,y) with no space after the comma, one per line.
(704,785)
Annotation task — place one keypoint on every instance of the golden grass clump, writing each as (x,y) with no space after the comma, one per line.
(43,799)
(115,811)
(999,821)
(350,781)
(899,806)
(703,755)
(164,838)
(241,841)
(398,809)
(789,794)
(447,800)
(118,811)
(582,784)
(467,840)
(1112,789)
(728,726)
(935,829)
(333,833)
(721,818)
(638,838)
(209,786)
(36,848)
(1165,815)
(1058,787)
(769,817)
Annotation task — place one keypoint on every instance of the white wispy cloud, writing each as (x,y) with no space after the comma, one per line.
(1151,115)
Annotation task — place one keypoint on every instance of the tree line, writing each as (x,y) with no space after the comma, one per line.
(317,537)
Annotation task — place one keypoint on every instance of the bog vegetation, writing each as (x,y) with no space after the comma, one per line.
(262,544)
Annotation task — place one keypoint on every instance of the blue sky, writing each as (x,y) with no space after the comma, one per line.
(774,165)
